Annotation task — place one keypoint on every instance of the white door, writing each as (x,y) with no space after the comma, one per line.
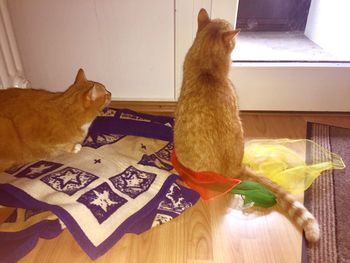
(126,45)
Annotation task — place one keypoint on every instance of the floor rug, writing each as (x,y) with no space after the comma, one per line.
(328,199)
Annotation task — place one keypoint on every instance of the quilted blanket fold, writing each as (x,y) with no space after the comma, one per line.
(122,181)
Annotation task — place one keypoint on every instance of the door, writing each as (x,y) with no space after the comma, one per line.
(126,45)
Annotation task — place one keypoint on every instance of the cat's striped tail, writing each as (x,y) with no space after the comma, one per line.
(296,210)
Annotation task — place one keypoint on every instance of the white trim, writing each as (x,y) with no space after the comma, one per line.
(249,64)
(292,88)
(11,70)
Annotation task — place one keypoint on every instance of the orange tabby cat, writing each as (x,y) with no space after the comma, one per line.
(37,124)
(208,134)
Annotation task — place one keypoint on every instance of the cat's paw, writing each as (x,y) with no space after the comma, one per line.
(77,148)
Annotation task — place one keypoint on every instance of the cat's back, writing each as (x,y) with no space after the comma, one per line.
(16,100)
(24,94)
(207,100)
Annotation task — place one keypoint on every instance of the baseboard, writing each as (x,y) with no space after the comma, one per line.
(167,108)
(151,107)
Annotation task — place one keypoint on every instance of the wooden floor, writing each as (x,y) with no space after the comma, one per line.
(208,232)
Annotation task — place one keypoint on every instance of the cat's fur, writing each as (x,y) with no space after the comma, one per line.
(38,124)
(208,134)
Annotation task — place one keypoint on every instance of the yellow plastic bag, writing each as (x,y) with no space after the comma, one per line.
(293,164)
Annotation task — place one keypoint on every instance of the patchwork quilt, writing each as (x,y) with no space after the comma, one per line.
(122,181)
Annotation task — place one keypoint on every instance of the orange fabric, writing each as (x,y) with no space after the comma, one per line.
(207,184)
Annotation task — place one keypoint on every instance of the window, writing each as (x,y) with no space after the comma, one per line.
(272,15)
(276,81)
(292,31)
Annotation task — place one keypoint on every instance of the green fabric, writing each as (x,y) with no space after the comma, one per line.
(256,193)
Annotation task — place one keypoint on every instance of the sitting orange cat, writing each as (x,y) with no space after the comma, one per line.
(37,124)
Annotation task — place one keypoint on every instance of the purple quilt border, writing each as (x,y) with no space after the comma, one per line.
(158,127)
(26,201)
(155,129)
(47,229)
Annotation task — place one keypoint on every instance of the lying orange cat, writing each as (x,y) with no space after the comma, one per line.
(37,124)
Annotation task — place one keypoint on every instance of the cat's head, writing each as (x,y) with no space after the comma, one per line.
(90,94)
(216,35)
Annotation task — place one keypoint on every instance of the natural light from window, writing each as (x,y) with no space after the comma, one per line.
(312,31)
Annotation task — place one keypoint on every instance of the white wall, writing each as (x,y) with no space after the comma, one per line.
(328,26)
(129,46)
(292,87)
(126,45)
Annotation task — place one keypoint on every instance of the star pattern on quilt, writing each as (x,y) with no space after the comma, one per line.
(102,202)
(174,201)
(38,169)
(108,113)
(88,141)
(134,117)
(160,219)
(159,159)
(69,180)
(153,160)
(96,141)
(14,169)
(97,190)
(69,177)
(132,181)
(165,152)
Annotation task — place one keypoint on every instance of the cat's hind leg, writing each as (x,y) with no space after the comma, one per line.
(11,151)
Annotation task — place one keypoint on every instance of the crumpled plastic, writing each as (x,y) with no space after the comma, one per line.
(293,164)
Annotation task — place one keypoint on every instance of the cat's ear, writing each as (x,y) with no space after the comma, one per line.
(229,35)
(203,19)
(80,76)
(90,96)
(92,93)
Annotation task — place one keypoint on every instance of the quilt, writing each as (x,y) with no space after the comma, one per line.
(122,181)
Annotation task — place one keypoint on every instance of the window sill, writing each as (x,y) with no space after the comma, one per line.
(283,47)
